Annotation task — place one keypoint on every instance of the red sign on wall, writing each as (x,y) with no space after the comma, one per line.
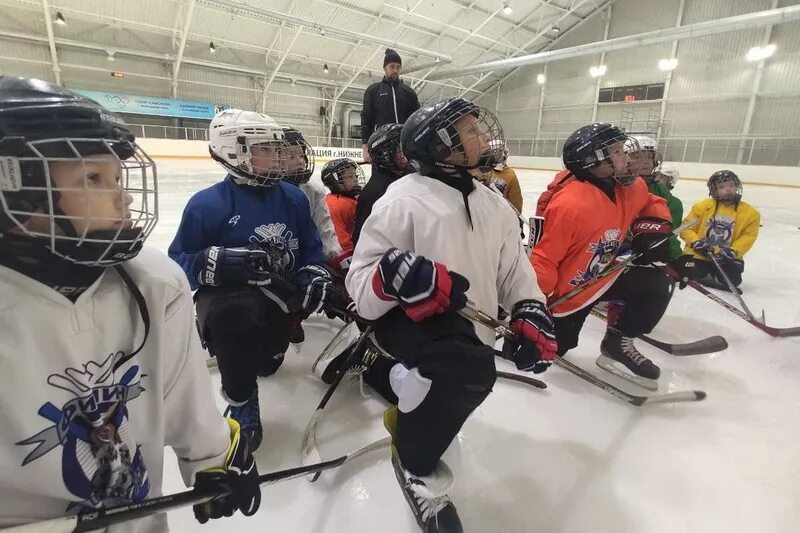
(630,98)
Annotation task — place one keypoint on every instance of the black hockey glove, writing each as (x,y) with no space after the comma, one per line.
(684,266)
(315,282)
(238,476)
(702,246)
(532,322)
(422,287)
(216,266)
(646,232)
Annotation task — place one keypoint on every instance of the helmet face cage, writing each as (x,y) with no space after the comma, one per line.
(383,146)
(299,156)
(106,238)
(645,160)
(471,137)
(725,186)
(249,146)
(584,151)
(335,172)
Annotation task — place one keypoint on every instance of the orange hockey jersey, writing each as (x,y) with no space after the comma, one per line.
(583,229)
(559,182)
(343,216)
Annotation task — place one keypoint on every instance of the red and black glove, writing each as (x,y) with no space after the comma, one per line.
(422,287)
(646,234)
(537,346)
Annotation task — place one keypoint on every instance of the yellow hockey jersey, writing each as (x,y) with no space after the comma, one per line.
(729,225)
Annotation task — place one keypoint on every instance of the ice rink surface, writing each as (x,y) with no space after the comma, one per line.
(573,458)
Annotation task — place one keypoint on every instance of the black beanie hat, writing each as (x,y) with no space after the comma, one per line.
(391,57)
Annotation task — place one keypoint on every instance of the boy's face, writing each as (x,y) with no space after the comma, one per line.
(616,164)
(727,190)
(474,142)
(265,158)
(350,179)
(92,192)
(641,163)
(295,158)
(400,158)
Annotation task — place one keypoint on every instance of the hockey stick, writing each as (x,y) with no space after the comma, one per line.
(122,513)
(616,267)
(500,327)
(703,346)
(733,289)
(775,332)
(310,453)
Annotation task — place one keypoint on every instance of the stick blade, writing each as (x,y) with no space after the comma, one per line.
(705,346)
(675,397)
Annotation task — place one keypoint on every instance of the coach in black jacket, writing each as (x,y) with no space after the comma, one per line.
(387,101)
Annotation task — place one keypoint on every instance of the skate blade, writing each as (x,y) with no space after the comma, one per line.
(618,369)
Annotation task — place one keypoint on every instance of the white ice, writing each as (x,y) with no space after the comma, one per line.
(572,458)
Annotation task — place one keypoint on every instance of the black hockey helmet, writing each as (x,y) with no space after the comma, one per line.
(719,178)
(588,146)
(298,171)
(429,137)
(334,172)
(42,124)
(383,145)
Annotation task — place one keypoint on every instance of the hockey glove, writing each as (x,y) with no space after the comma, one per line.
(536,350)
(726,253)
(684,266)
(216,266)
(646,233)
(702,246)
(422,287)
(238,477)
(316,284)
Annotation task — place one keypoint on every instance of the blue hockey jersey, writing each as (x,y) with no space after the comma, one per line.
(231,215)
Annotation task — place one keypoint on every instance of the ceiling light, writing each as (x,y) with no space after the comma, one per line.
(597,71)
(668,64)
(507,9)
(110,56)
(540,78)
(322,31)
(555,29)
(60,20)
(325,68)
(212,48)
(758,53)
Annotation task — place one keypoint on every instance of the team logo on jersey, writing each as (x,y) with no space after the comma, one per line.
(100,461)
(603,253)
(719,230)
(234,220)
(279,243)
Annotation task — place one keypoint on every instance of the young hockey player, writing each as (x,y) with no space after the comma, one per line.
(645,161)
(504,178)
(388,163)
(236,241)
(584,226)
(300,167)
(344,178)
(668,176)
(726,228)
(102,364)
(433,240)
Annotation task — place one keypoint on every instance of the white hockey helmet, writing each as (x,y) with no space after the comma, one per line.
(644,143)
(232,136)
(672,175)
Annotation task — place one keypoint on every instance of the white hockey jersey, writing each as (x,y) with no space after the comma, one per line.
(427,217)
(322,218)
(73,431)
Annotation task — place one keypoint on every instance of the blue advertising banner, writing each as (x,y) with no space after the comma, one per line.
(151,105)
